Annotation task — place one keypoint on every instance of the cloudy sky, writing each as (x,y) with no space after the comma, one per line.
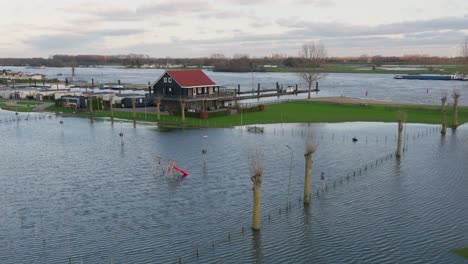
(195,28)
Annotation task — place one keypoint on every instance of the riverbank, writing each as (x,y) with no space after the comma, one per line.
(319,110)
(386,69)
(24,105)
(462,252)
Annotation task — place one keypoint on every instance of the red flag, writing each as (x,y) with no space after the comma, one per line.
(366,92)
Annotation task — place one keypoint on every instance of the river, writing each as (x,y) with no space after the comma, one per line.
(377,86)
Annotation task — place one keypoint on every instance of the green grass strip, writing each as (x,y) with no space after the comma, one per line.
(462,252)
(302,112)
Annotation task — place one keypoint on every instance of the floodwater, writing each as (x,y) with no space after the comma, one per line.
(377,86)
(72,193)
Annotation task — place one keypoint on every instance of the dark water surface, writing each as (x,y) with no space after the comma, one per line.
(74,193)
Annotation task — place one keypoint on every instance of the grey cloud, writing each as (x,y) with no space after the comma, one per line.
(316,3)
(72,40)
(291,40)
(340,29)
(59,41)
(175,7)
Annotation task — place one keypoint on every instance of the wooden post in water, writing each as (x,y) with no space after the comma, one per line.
(134,111)
(444,115)
(91,108)
(455,95)
(182,108)
(309,151)
(256,170)
(111,105)
(258,90)
(401,118)
(158,105)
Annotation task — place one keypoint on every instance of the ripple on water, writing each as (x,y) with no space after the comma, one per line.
(79,193)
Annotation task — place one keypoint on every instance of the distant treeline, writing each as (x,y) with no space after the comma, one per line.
(238,63)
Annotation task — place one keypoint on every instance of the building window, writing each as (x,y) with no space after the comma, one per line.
(169,80)
(170,89)
(165,79)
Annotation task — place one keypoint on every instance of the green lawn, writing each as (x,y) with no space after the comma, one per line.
(21,105)
(462,252)
(361,68)
(312,112)
(304,112)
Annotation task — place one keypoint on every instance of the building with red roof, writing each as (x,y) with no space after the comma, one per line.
(193,87)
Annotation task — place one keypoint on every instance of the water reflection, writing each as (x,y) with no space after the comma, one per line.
(257,247)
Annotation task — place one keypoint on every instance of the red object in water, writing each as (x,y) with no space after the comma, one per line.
(366,93)
(181,171)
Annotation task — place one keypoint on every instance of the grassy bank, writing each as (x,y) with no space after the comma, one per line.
(305,112)
(20,106)
(361,68)
(462,252)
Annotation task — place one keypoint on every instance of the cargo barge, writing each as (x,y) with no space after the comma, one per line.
(454,77)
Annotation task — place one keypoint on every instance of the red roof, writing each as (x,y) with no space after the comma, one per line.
(186,78)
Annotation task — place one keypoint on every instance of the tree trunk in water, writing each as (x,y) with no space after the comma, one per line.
(444,119)
(307,178)
(182,107)
(455,113)
(310,90)
(257,190)
(400,138)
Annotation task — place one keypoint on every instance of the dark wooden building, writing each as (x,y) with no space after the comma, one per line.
(75,102)
(140,101)
(194,87)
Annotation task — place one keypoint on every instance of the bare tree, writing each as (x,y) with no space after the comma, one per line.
(313,56)
(256,172)
(401,118)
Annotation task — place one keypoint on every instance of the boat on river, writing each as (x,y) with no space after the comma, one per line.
(438,77)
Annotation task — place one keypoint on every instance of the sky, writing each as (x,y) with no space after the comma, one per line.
(199,28)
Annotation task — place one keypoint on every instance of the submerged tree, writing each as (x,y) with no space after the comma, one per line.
(444,114)
(455,95)
(401,119)
(313,56)
(256,172)
(310,148)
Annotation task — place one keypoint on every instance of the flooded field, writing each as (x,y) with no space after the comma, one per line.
(72,193)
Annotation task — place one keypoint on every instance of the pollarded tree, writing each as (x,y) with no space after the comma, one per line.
(313,57)
(310,148)
(256,172)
